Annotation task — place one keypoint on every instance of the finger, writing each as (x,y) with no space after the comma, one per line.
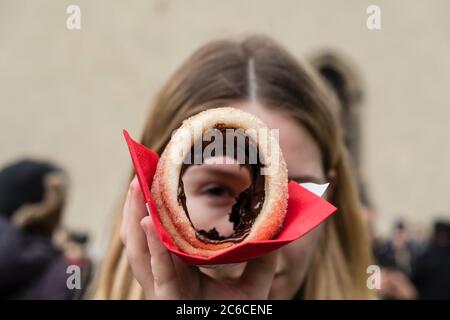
(258,276)
(123,225)
(137,252)
(136,210)
(166,283)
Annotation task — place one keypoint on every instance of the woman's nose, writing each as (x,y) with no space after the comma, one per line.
(225,272)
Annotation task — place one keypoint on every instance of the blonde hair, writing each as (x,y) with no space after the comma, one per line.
(226,71)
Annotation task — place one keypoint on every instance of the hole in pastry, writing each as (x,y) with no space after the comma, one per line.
(221,187)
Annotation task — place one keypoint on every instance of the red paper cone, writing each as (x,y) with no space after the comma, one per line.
(305,212)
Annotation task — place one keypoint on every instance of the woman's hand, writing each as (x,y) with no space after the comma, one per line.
(164,276)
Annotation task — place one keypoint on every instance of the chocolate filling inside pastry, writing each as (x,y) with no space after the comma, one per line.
(249,202)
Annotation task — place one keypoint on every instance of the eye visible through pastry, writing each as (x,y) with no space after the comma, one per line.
(233,195)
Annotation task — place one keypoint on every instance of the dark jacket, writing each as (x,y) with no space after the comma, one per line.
(30,266)
(431,273)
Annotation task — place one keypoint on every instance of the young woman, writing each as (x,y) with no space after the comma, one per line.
(258,76)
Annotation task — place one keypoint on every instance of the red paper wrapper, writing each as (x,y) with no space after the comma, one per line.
(305,212)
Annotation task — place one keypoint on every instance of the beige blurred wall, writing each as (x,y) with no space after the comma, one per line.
(66,95)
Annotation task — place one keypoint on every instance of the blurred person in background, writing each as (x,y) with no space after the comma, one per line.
(32,198)
(431,270)
(399,251)
(395,257)
(344,80)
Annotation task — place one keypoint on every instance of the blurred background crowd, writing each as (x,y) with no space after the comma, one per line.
(66,95)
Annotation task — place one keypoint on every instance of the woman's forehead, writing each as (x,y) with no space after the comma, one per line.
(300,150)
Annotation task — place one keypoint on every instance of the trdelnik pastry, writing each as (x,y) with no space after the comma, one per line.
(207,138)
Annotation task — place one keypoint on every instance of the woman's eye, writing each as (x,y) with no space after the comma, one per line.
(216,191)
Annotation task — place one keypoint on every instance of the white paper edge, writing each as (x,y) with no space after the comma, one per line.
(317,189)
